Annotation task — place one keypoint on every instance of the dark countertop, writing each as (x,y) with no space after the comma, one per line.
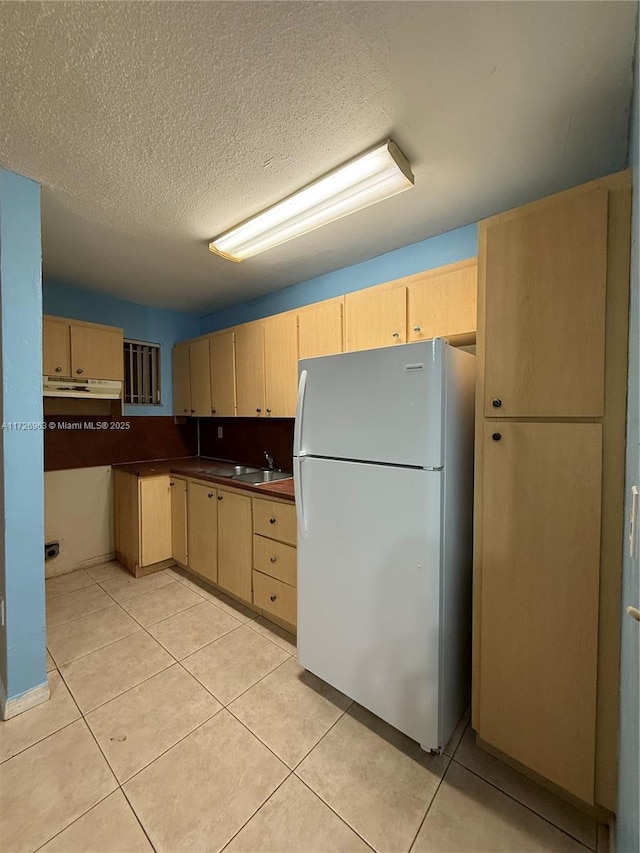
(192,467)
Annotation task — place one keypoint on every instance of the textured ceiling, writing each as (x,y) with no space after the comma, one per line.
(153,127)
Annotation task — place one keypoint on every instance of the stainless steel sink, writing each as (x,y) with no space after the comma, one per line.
(227,470)
(257,477)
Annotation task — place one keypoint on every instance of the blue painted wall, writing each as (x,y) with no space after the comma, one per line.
(628,814)
(139,322)
(428,254)
(22,639)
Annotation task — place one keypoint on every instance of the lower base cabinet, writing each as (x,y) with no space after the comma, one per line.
(243,545)
(142,522)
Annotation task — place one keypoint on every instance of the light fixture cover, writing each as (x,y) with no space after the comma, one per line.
(377,174)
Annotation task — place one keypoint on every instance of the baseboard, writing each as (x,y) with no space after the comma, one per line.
(18,704)
(97,561)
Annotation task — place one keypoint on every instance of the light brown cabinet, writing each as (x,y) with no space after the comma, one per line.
(376,317)
(222,351)
(191,378)
(553,283)
(281,364)
(181,380)
(78,349)
(320,328)
(250,370)
(442,302)
(545,309)
(235,545)
(142,522)
(203,530)
(274,560)
(178,488)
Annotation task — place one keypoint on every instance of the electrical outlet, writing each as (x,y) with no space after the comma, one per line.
(219,432)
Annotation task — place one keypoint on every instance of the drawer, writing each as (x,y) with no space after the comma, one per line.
(277,521)
(275,559)
(275,597)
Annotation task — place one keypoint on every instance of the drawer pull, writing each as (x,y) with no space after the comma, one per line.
(58,370)
(272,521)
(79,370)
(496,436)
(273,597)
(219,497)
(273,559)
(417,329)
(210,495)
(496,403)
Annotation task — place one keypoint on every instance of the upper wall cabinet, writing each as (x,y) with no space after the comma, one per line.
(78,349)
(320,328)
(222,350)
(545,309)
(281,364)
(181,380)
(250,370)
(191,379)
(376,317)
(442,302)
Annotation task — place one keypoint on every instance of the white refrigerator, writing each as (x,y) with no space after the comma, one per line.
(383,467)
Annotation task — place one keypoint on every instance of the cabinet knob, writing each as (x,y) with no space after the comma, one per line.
(185,410)
(272,521)
(58,370)
(258,410)
(172,483)
(213,411)
(273,597)
(396,334)
(417,329)
(273,559)
(496,403)
(79,370)
(219,497)
(210,495)
(496,436)
(193,411)
(268,411)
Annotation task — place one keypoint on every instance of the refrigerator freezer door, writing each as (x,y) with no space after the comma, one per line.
(369,587)
(381,405)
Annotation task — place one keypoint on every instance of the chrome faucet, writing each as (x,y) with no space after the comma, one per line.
(269,460)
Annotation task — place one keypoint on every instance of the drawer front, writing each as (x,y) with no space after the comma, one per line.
(275,597)
(277,521)
(275,559)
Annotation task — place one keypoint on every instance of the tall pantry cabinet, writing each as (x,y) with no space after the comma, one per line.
(553,284)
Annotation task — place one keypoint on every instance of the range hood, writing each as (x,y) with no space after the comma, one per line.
(94,389)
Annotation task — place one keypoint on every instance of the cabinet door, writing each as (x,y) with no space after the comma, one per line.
(179,520)
(281,364)
(545,273)
(540,547)
(443,303)
(376,317)
(126,525)
(250,370)
(320,329)
(56,348)
(97,353)
(181,380)
(155,519)
(222,349)
(203,531)
(234,543)
(200,378)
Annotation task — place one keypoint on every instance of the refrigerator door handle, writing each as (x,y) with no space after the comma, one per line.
(297,432)
(297,479)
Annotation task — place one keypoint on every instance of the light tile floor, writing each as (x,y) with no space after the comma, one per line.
(180,722)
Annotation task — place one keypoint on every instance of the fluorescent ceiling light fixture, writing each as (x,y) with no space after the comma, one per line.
(377,174)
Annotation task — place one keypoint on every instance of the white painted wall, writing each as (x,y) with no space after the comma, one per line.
(78,513)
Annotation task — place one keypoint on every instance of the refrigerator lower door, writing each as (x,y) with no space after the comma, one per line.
(369,555)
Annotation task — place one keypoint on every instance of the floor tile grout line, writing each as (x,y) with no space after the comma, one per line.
(260,807)
(169,748)
(75,820)
(86,654)
(137,817)
(431,801)
(524,805)
(255,683)
(81,616)
(41,740)
(331,808)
